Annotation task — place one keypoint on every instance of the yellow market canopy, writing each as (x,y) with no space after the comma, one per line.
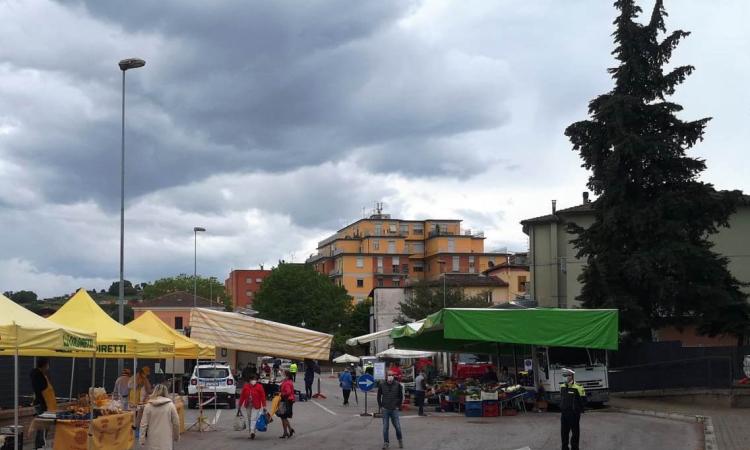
(37,336)
(185,348)
(239,332)
(113,340)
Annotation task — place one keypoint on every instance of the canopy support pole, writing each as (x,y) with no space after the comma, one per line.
(515,365)
(104,373)
(15,394)
(72,372)
(173,373)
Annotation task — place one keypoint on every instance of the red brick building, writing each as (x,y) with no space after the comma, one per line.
(243,285)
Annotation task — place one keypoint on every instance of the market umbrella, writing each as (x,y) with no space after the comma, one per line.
(346,359)
(395,353)
(25,333)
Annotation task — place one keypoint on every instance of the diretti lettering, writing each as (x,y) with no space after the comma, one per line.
(112,348)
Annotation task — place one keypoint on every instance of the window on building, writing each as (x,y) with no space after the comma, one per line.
(360,283)
(522,284)
(378,229)
(376,244)
(451,245)
(178,323)
(491,261)
(392,228)
(391,246)
(456,263)
(380,263)
(418,247)
(394,264)
(404,228)
(380,282)
(418,266)
(471,264)
(248,280)
(259,280)
(249,293)
(396,282)
(360,262)
(404,268)
(418,229)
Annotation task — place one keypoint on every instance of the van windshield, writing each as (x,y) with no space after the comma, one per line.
(568,357)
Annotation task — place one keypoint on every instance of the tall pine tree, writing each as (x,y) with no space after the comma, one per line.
(648,251)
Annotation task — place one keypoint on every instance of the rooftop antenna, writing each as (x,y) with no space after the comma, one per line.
(378,208)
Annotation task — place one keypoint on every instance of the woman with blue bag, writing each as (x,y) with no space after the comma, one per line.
(253,398)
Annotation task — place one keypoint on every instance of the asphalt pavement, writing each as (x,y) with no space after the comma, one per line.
(327,424)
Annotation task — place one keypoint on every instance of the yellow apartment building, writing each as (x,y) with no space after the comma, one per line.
(381,251)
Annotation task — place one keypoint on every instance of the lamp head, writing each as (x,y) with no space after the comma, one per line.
(131,63)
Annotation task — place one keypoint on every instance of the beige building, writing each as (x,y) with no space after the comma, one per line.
(555,269)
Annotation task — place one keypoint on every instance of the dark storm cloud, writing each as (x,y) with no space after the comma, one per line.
(250,87)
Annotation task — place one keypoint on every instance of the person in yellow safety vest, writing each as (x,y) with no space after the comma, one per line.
(572,397)
(293,371)
(44,395)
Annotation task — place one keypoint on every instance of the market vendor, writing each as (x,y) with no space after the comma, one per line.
(141,386)
(489,377)
(44,395)
(122,387)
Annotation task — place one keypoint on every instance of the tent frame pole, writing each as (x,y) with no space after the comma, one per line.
(72,373)
(15,392)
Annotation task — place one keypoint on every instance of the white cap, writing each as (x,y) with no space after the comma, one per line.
(567,371)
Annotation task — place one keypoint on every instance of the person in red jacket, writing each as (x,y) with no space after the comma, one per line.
(253,399)
(287,399)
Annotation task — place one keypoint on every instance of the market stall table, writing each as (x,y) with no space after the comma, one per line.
(113,432)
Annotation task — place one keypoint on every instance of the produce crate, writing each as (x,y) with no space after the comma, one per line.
(473,409)
(488,396)
(490,408)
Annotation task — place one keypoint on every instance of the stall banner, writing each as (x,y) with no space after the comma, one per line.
(113,432)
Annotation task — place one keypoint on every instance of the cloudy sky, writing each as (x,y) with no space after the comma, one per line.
(273,124)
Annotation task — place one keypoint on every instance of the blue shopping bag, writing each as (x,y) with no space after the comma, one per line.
(262,423)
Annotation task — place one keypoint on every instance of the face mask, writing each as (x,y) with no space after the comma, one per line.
(390,378)
(253,382)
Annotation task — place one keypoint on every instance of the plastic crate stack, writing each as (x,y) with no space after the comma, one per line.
(490,408)
(474,408)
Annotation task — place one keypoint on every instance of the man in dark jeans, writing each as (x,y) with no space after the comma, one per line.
(390,398)
(572,397)
(42,393)
(420,387)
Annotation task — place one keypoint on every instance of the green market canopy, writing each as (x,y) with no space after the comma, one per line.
(481,330)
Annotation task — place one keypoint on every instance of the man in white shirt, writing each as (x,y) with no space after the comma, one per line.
(122,387)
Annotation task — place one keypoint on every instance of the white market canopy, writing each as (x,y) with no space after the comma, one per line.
(264,337)
(395,353)
(367,338)
(346,359)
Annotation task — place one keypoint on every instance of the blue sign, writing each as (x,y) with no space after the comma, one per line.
(365,382)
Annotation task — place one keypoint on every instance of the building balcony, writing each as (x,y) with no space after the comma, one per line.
(387,272)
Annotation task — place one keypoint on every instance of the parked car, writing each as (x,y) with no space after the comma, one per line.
(212,379)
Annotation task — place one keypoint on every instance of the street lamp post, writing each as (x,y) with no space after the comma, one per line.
(125,65)
(442,269)
(195,264)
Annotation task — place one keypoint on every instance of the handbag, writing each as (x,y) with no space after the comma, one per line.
(239,421)
(261,424)
(281,412)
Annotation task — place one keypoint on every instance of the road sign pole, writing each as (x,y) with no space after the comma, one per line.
(365,383)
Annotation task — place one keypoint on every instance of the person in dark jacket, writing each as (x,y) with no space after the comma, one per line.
(44,395)
(572,397)
(309,378)
(390,399)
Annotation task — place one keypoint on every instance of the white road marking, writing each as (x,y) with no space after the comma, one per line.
(323,408)
(524,448)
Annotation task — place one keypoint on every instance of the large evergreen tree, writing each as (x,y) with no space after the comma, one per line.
(648,251)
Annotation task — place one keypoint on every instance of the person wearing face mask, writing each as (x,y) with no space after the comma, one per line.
(253,399)
(390,398)
(572,397)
